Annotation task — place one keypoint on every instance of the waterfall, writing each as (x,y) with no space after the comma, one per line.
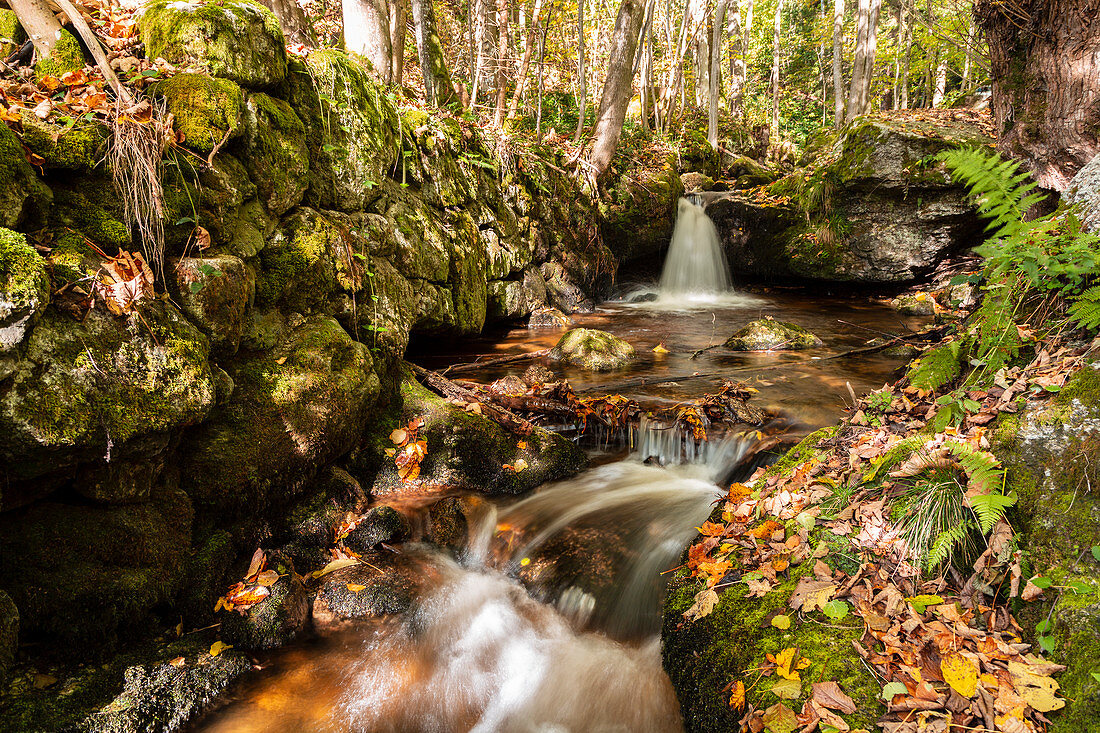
(696,264)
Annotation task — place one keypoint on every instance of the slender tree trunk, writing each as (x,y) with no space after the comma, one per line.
(582,77)
(503,12)
(838,63)
(367,33)
(647,64)
(776,51)
(967,59)
(906,55)
(863,65)
(542,64)
(701,53)
(719,23)
(737,60)
(433,64)
(940,89)
(399,22)
(617,87)
(481,10)
(525,63)
(293,20)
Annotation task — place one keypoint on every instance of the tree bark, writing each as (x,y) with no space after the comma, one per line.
(433,64)
(939,91)
(838,63)
(715,72)
(41,25)
(1045,58)
(906,54)
(399,21)
(701,51)
(582,86)
(617,87)
(503,13)
(525,63)
(292,18)
(776,50)
(863,65)
(646,96)
(480,29)
(367,33)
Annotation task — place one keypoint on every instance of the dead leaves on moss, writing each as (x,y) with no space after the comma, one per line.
(255,587)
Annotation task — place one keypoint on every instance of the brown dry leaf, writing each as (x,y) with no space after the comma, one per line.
(177,662)
(126,281)
(256,563)
(705,601)
(399,436)
(811,594)
(831,696)
(42,681)
(828,717)
(268,578)
(249,596)
(1031,592)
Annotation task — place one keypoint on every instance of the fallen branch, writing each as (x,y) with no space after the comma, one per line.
(496,361)
(93,45)
(447,388)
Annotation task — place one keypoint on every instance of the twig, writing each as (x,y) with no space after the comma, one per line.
(217,147)
(496,361)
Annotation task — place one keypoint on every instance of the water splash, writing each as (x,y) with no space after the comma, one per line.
(696,264)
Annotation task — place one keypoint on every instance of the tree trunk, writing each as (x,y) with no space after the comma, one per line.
(433,64)
(39,22)
(525,63)
(838,63)
(542,65)
(701,52)
(293,20)
(367,33)
(399,22)
(582,86)
(906,54)
(617,87)
(480,11)
(715,72)
(737,60)
(776,49)
(647,64)
(863,64)
(940,89)
(503,12)
(967,61)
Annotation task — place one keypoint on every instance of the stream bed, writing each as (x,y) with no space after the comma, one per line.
(549,619)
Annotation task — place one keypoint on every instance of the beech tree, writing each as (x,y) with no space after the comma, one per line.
(433,64)
(617,87)
(367,33)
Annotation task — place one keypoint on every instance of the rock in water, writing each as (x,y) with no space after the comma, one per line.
(381,524)
(548,319)
(593,350)
(273,621)
(768,334)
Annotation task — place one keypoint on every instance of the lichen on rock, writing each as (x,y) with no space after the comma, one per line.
(24,294)
(591,349)
(768,334)
(207,110)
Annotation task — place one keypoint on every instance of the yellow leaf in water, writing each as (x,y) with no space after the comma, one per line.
(737,695)
(355,587)
(660,349)
(960,673)
(1037,690)
(218,647)
(782,622)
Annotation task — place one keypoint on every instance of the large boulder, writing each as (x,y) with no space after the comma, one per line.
(275,620)
(86,388)
(591,349)
(1084,192)
(294,407)
(215,291)
(382,585)
(468,452)
(235,39)
(768,334)
(639,215)
(206,111)
(75,146)
(892,215)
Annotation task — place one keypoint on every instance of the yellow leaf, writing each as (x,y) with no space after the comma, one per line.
(335,565)
(660,349)
(519,465)
(788,662)
(218,647)
(355,587)
(1037,690)
(787,689)
(474,407)
(268,578)
(737,695)
(782,622)
(522,445)
(960,673)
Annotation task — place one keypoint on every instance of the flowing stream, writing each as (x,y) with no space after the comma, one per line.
(549,619)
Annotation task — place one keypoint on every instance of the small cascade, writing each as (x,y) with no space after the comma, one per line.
(696,264)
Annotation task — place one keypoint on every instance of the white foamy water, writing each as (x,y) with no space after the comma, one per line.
(695,265)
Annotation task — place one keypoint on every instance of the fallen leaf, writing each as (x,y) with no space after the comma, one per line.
(660,349)
(335,565)
(355,587)
(892,689)
(779,719)
(218,647)
(42,681)
(1039,691)
(268,578)
(781,622)
(737,695)
(705,601)
(831,696)
(177,662)
(788,662)
(960,673)
(787,689)
(399,436)
(811,594)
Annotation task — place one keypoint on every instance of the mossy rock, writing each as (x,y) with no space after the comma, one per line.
(87,204)
(24,294)
(254,226)
(351,130)
(84,386)
(9,635)
(276,154)
(638,219)
(275,620)
(86,577)
(914,304)
(215,292)
(294,408)
(591,349)
(206,110)
(702,657)
(305,262)
(361,591)
(768,334)
(380,524)
(77,147)
(12,34)
(469,452)
(235,39)
(24,199)
(66,56)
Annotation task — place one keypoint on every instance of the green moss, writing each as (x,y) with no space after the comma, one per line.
(592,349)
(206,109)
(23,278)
(769,334)
(66,56)
(807,449)
(277,157)
(12,34)
(24,199)
(89,206)
(732,643)
(236,39)
(303,263)
(76,147)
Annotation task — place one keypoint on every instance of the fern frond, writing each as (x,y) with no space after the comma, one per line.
(990,508)
(937,367)
(1085,311)
(1001,193)
(943,547)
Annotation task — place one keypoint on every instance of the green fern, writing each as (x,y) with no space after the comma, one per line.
(937,367)
(943,547)
(1000,191)
(990,508)
(1085,311)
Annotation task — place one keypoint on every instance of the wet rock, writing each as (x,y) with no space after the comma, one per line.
(507,300)
(24,294)
(236,39)
(593,350)
(161,697)
(1084,192)
(380,524)
(210,570)
(275,620)
(914,304)
(537,374)
(308,529)
(131,476)
(900,351)
(206,110)
(447,524)
(9,635)
(694,182)
(468,452)
(215,292)
(641,211)
(363,591)
(549,319)
(768,334)
(562,291)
